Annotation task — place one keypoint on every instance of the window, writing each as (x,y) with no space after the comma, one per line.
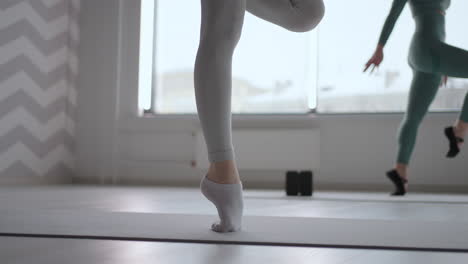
(276,71)
(273,69)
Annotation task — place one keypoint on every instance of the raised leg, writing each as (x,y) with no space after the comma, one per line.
(293,15)
(453,62)
(464,113)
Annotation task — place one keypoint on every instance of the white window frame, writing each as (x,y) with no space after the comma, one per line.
(131,118)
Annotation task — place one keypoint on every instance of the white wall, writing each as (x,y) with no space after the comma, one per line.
(355,150)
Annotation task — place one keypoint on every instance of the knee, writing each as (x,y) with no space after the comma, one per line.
(310,13)
(223,32)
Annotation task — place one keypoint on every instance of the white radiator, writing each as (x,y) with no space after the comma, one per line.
(288,149)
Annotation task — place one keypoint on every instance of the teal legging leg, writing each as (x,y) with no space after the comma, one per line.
(423,90)
(453,62)
(428,68)
(464,113)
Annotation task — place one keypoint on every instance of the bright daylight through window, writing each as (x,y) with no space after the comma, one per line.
(276,71)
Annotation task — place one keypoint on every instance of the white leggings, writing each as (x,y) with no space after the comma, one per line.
(221,28)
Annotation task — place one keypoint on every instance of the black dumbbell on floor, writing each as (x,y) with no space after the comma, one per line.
(306,185)
(292,183)
(299,183)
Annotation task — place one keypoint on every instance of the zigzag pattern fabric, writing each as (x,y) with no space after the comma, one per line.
(38,71)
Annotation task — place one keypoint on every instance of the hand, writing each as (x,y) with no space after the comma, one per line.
(444,81)
(376,59)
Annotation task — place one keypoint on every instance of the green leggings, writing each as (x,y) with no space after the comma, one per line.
(430,58)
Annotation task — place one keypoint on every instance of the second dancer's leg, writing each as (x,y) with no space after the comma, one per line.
(221,28)
(422,92)
(453,61)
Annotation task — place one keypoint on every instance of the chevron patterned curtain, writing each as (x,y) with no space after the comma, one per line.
(38,72)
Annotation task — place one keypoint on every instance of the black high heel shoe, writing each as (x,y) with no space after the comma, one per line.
(398,182)
(453,142)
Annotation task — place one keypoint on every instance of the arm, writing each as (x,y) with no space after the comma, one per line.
(392,17)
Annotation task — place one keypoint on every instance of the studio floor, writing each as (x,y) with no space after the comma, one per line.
(343,205)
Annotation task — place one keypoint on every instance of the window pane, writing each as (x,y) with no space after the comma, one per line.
(348,36)
(273,69)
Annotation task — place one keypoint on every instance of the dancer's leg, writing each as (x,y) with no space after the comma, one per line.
(293,15)
(429,53)
(422,92)
(453,62)
(220,32)
(221,29)
(441,58)
(461,125)
(450,61)
(463,121)
(460,128)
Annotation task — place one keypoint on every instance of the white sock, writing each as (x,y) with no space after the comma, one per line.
(228,201)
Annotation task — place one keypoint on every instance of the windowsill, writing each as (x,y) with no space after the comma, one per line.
(383,113)
(280,117)
(190,122)
(272,116)
(187,123)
